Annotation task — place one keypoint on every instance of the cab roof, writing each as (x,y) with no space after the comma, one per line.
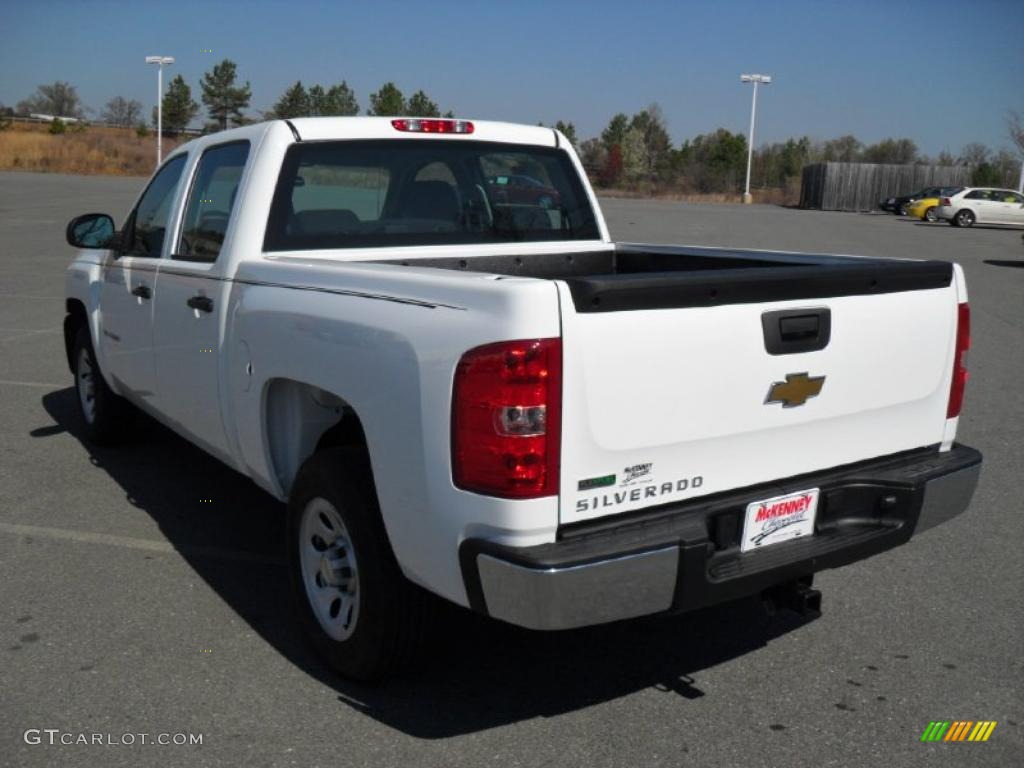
(341,128)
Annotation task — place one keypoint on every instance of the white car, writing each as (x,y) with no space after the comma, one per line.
(492,401)
(982,205)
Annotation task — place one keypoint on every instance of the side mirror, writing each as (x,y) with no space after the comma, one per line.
(91,230)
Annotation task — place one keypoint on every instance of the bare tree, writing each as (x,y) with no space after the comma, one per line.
(122,112)
(974,154)
(845,149)
(1008,164)
(1015,127)
(59,99)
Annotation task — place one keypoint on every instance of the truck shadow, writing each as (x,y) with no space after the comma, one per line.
(475,673)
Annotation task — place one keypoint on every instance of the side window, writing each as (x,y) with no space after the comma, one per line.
(211,200)
(148,222)
(978,194)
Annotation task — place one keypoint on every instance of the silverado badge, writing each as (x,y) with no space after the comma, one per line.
(795,390)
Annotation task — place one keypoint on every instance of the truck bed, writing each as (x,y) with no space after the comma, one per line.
(631,277)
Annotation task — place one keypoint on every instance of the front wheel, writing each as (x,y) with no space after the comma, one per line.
(358,610)
(964,219)
(106,416)
(930,215)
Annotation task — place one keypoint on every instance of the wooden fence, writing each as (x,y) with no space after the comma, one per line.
(860,186)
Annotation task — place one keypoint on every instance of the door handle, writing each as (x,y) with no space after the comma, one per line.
(202,303)
(142,291)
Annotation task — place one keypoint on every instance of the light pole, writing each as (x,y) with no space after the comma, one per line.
(161,61)
(756,80)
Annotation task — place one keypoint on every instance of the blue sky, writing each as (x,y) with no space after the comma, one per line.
(942,74)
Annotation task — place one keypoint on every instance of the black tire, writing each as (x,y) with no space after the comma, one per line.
(964,218)
(901,210)
(930,215)
(390,611)
(110,417)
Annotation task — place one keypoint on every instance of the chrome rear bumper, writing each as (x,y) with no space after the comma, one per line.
(686,557)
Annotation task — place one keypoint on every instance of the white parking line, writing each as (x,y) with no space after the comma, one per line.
(42,384)
(28,296)
(27,334)
(149,545)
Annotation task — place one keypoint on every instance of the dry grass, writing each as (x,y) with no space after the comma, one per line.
(108,151)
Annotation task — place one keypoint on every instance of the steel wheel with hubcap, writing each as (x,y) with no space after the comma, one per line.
(356,607)
(329,568)
(106,416)
(86,385)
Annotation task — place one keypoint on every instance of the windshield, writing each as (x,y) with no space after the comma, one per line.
(352,194)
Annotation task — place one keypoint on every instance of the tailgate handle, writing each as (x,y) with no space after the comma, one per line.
(799,327)
(796,330)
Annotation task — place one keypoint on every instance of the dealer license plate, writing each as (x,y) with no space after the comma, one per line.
(778,519)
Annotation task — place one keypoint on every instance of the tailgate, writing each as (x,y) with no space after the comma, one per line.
(670,391)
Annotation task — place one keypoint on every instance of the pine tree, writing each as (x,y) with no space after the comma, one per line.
(568,130)
(420,105)
(336,100)
(224,101)
(179,107)
(387,101)
(294,103)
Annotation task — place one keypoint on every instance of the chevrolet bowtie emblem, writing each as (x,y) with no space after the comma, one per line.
(795,390)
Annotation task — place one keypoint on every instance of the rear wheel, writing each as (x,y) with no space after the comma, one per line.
(964,219)
(106,416)
(358,610)
(930,215)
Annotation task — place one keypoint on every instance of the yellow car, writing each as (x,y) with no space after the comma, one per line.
(924,209)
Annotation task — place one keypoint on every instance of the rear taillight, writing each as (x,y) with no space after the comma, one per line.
(419,125)
(945,201)
(963,343)
(506,419)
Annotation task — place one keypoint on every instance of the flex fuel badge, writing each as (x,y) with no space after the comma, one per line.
(596,482)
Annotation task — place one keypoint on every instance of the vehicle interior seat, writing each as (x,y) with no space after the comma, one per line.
(323,222)
(431,200)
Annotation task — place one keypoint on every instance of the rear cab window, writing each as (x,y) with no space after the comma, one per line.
(211,201)
(357,194)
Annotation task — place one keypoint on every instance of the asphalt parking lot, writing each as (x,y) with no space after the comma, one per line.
(129,606)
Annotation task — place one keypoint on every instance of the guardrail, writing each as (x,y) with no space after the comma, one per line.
(97,123)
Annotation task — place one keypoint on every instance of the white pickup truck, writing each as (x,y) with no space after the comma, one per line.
(419,334)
